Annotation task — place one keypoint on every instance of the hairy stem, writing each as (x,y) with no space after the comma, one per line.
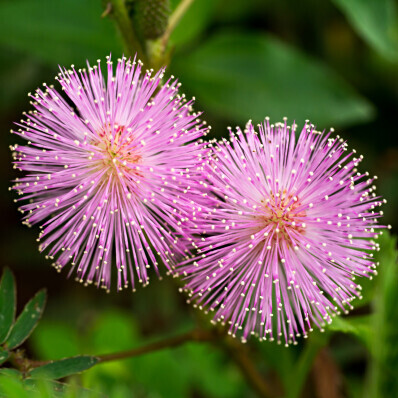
(118,11)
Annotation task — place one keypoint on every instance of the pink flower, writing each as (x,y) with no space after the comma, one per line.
(289,231)
(111,169)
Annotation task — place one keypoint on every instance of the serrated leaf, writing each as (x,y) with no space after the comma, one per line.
(376,21)
(3,355)
(7,303)
(64,367)
(250,76)
(58,32)
(27,320)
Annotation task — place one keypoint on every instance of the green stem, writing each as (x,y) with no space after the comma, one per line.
(194,335)
(235,350)
(118,12)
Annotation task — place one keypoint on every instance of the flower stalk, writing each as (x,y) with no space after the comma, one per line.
(197,335)
(152,52)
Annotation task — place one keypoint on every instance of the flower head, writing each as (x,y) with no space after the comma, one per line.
(290,228)
(110,170)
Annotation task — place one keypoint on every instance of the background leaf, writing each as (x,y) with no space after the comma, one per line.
(7,303)
(194,21)
(54,340)
(9,372)
(3,355)
(102,335)
(247,76)
(376,21)
(27,320)
(38,35)
(58,32)
(12,387)
(384,348)
(64,367)
(359,326)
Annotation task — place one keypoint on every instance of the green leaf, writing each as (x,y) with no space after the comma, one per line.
(376,21)
(359,326)
(7,303)
(247,76)
(3,355)
(44,388)
(12,387)
(383,381)
(9,372)
(194,21)
(368,291)
(58,32)
(27,320)
(64,367)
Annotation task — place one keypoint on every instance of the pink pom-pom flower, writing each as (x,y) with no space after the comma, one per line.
(110,170)
(291,227)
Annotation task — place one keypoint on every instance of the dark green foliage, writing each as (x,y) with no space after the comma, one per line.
(64,367)
(195,21)
(12,382)
(384,348)
(7,304)
(4,354)
(239,74)
(26,321)
(333,62)
(376,22)
(63,33)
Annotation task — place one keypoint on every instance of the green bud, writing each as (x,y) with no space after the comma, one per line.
(150,17)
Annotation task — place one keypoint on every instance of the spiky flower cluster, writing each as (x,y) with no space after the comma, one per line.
(119,179)
(291,226)
(111,169)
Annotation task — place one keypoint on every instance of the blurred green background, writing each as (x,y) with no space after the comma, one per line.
(334,62)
